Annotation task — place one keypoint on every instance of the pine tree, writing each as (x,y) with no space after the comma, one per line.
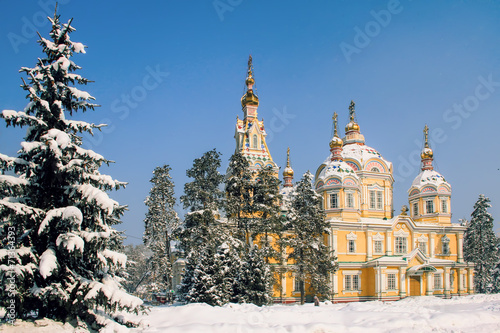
(160,222)
(254,282)
(56,219)
(312,259)
(239,189)
(480,245)
(267,222)
(495,274)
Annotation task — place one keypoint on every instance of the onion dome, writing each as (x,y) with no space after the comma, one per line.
(427,153)
(336,143)
(249,98)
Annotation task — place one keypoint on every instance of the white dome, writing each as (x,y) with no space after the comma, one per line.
(338,169)
(429,177)
(362,153)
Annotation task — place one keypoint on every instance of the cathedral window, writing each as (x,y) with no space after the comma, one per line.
(444,206)
(350,200)
(297,284)
(391,281)
(351,282)
(445,241)
(376,199)
(415,208)
(377,246)
(255,141)
(375,170)
(429,207)
(438,281)
(379,200)
(334,200)
(351,246)
(400,245)
(423,247)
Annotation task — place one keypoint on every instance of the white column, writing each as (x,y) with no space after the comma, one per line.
(429,276)
(460,248)
(388,247)
(460,277)
(335,283)
(369,246)
(334,241)
(431,243)
(471,281)
(402,282)
(447,282)
(378,286)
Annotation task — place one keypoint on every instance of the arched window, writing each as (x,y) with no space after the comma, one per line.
(375,170)
(254,142)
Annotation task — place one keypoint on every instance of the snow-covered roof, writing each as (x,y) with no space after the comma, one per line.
(429,177)
(338,169)
(362,153)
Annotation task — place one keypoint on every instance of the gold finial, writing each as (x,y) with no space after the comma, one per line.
(288,172)
(288,157)
(352,111)
(250,67)
(335,116)
(426,135)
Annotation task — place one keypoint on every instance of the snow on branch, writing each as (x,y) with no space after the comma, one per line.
(19,208)
(20,118)
(118,259)
(51,214)
(71,242)
(98,196)
(13,180)
(48,263)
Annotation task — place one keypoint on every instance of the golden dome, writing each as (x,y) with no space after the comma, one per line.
(427,153)
(352,126)
(288,172)
(249,98)
(336,142)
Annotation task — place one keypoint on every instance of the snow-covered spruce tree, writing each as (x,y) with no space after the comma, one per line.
(495,274)
(239,188)
(254,282)
(160,222)
(480,245)
(313,261)
(211,274)
(55,201)
(267,222)
(203,198)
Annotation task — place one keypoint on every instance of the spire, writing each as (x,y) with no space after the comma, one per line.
(288,172)
(249,98)
(336,142)
(427,153)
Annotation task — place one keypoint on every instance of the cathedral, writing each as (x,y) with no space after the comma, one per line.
(381,256)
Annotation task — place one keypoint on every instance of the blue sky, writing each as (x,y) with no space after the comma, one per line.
(169,76)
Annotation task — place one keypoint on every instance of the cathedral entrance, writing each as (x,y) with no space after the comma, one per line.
(415,286)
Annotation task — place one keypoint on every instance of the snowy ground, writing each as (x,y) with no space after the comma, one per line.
(478,313)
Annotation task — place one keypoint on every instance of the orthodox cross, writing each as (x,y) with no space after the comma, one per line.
(352,112)
(335,115)
(426,135)
(288,157)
